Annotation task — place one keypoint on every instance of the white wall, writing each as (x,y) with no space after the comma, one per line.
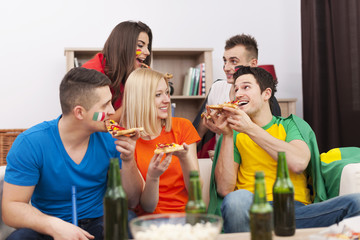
(33,35)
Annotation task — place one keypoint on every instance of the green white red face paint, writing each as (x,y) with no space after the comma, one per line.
(99,116)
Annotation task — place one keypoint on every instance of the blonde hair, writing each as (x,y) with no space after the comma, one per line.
(139,108)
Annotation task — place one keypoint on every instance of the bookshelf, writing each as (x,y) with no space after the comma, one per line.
(176,61)
(287,106)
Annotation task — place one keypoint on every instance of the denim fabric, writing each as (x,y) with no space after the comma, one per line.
(236,205)
(95,226)
(235,211)
(328,212)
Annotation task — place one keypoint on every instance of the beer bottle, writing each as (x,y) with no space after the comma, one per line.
(283,200)
(260,211)
(115,205)
(195,203)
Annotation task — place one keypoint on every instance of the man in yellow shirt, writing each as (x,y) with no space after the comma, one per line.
(251,139)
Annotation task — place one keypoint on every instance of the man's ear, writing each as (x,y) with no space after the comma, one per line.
(253,62)
(78,112)
(267,94)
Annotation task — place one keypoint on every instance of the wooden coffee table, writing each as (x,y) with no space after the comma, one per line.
(300,234)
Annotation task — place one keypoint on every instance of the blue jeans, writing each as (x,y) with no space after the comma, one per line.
(236,205)
(95,226)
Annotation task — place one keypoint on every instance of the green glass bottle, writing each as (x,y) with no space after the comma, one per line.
(195,204)
(283,202)
(115,205)
(260,211)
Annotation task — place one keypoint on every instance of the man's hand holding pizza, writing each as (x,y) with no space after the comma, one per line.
(238,120)
(126,139)
(126,145)
(216,121)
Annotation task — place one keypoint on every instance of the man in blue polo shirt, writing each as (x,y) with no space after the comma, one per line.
(73,150)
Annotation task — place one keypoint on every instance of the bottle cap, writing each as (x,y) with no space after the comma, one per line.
(281,154)
(194,173)
(259,174)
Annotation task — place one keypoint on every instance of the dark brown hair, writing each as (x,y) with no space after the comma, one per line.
(77,88)
(248,41)
(120,53)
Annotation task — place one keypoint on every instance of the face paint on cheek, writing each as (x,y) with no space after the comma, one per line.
(99,116)
(138,52)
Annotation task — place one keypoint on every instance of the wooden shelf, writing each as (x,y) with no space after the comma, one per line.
(287,106)
(187,97)
(176,61)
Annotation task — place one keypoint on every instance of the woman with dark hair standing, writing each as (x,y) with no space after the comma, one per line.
(127,48)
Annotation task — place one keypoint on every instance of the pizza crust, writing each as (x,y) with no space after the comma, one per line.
(115,130)
(127,132)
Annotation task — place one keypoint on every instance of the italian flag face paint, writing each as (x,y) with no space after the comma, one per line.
(99,116)
(138,52)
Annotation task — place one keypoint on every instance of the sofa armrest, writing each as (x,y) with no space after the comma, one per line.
(205,165)
(4,229)
(350,179)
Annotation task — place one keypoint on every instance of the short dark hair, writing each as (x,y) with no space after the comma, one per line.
(248,41)
(77,88)
(263,78)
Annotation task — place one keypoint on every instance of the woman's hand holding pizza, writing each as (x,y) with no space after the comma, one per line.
(158,167)
(182,154)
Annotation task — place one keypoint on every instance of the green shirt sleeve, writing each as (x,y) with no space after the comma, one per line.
(237,157)
(292,130)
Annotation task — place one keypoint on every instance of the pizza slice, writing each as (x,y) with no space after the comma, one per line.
(203,115)
(116,130)
(233,104)
(168,148)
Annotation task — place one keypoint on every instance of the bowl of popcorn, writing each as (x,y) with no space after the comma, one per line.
(173,226)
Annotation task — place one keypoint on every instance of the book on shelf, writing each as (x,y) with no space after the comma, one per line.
(76,62)
(201,90)
(173,107)
(202,77)
(194,81)
(187,82)
(200,82)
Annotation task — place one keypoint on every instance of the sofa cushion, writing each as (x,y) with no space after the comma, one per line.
(4,229)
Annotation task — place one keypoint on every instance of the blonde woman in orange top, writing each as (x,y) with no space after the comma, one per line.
(146,103)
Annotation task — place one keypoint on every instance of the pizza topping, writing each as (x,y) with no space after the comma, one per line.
(116,130)
(168,147)
(232,104)
(113,126)
(203,115)
(164,145)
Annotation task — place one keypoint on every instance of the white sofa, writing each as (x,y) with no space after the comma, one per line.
(4,229)
(350,183)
